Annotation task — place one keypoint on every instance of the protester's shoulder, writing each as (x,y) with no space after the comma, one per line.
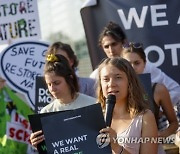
(148,116)
(84,96)
(87,98)
(86,80)
(94,74)
(151,67)
(158,75)
(48,107)
(160,88)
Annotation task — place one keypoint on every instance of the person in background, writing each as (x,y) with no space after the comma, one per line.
(87,85)
(63,86)
(130,118)
(111,40)
(134,53)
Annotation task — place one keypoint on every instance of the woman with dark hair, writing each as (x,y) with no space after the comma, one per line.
(63,86)
(112,39)
(87,85)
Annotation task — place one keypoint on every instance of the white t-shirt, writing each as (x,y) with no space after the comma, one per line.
(81,101)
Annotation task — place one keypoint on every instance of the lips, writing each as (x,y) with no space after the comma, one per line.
(114,92)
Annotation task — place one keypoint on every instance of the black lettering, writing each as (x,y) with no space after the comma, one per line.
(13,9)
(13,51)
(27,84)
(29,6)
(1,35)
(4,29)
(4,7)
(10,68)
(13,30)
(31,27)
(20,72)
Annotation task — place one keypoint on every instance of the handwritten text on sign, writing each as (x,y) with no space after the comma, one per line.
(20,64)
(19,20)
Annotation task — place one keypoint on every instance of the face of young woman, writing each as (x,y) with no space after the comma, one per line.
(111,47)
(136,61)
(57,86)
(114,81)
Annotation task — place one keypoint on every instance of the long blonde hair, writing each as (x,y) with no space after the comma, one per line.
(135,100)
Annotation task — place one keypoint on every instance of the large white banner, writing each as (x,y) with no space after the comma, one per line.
(19,20)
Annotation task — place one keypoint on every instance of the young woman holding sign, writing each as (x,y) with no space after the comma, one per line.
(130,118)
(63,86)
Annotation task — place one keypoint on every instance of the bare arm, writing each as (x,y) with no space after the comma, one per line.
(162,97)
(149,129)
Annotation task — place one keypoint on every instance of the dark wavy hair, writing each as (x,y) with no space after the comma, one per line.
(62,68)
(66,48)
(114,30)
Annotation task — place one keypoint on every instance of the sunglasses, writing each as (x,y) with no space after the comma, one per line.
(133,45)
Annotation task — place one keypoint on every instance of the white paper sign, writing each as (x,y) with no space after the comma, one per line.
(19,20)
(20,64)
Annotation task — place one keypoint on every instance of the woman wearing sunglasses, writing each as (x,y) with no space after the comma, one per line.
(134,53)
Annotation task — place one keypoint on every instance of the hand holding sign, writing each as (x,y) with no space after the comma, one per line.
(60,138)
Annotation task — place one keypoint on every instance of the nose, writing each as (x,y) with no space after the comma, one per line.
(111,83)
(110,49)
(52,87)
(133,65)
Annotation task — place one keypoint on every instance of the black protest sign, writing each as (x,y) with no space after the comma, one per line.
(35,122)
(146,83)
(75,131)
(42,95)
(154,23)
